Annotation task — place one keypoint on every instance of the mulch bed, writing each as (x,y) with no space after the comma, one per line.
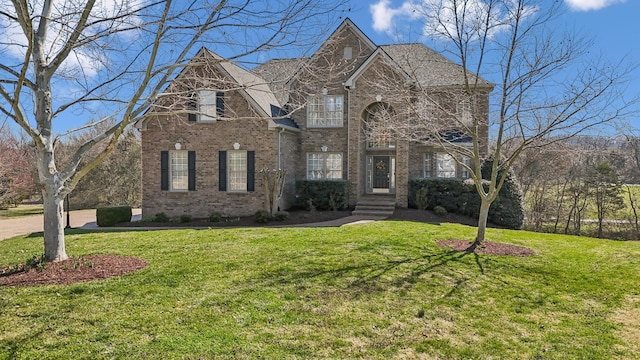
(74,270)
(488,248)
(295,217)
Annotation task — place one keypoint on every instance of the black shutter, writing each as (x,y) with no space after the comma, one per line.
(193,108)
(191,163)
(251,170)
(222,170)
(164,170)
(220,104)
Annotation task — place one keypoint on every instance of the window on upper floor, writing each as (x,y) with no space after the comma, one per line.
(208,106)
(378,120)
(464,112)
(324,166)
(325,111)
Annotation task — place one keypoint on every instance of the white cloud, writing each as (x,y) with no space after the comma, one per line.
(586,5)
(439,17)
(383,15)
(82,61)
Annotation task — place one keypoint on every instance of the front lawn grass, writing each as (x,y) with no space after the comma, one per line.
(20,211)
(380,290)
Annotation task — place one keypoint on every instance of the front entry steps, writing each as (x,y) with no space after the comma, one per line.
(373,206)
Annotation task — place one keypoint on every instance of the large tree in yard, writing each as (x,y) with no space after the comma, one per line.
(65,60)
(543,87)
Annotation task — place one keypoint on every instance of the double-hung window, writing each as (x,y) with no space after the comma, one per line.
(178,170)
(324,166)
(237,170)
(208,106)
(325,111)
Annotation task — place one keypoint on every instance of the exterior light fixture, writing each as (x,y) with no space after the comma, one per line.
(324,148)
(236,146)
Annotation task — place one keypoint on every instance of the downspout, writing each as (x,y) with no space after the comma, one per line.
(279,149)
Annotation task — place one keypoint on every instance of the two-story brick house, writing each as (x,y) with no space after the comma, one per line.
(202,148)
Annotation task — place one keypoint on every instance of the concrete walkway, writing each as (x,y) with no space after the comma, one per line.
(86,219)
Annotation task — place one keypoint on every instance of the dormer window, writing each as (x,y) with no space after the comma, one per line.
(325,111)
(209,106)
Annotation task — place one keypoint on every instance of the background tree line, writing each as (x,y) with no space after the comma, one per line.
(588,185)
(115,181)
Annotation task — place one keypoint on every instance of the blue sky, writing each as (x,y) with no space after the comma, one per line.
(612,25)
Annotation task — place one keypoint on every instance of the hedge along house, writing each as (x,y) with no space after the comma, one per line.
(204,144)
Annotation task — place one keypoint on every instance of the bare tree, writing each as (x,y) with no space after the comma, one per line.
(93,60)
(17,180)
(545,89)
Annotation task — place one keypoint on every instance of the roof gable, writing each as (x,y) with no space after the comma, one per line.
(251,86)
(419,64)
(346,25)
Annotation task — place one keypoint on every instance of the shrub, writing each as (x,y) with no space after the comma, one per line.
(324,194)
(109,216)
(184,218)
(440,211)
(460,196)
(422,200)
(215,217)
(281,216)
(262,216)
(162,217)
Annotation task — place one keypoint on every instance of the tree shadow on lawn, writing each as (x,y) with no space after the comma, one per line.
(374,276)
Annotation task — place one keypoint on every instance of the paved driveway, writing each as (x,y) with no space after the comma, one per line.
(28,224)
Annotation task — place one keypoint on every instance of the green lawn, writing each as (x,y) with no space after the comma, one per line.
(20,210)
(381,290)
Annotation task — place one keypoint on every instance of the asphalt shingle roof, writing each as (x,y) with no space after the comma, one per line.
(255,86)
(276,72)
(428,67)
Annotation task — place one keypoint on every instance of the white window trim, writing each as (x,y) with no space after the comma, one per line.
(315,102)
(325,157)
(186,164)
(229,156)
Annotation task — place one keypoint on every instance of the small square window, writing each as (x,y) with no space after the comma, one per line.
(348,53)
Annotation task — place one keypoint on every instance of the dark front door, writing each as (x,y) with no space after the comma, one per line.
(381,172)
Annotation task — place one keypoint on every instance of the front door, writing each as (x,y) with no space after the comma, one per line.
(381,172)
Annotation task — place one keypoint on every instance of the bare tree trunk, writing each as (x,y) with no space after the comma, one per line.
(54,246)
(634,207)
(482,224)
